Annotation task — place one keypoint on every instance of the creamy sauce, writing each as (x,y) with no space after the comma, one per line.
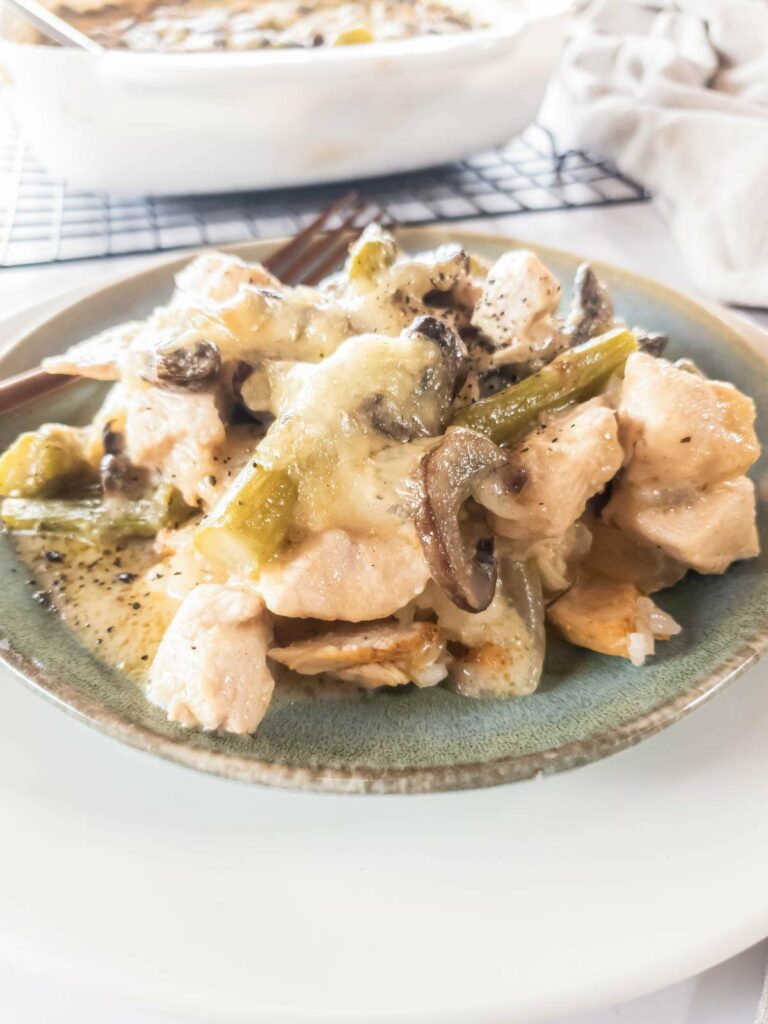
(102,595)
(200,25)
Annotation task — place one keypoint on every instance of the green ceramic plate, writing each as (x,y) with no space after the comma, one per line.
(587,706)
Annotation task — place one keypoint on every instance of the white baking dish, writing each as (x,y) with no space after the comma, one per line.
(214,122)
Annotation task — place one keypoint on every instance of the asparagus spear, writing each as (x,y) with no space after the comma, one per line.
(576,374)
(373,252)
(94,520)
(251,521)
(41,463)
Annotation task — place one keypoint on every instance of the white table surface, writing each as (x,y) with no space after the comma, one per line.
(634,236)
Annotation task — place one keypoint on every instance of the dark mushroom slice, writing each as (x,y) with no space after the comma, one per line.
(384,416)
(435,298)
(652,343)
(591,309)
(429,405)
(192,367)
(117,474)
(456,362)
(446,477)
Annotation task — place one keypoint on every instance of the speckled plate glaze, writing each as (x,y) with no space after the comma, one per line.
(588,705)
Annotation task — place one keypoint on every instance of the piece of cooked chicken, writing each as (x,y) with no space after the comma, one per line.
(517,307)
(688,441)
(611,617)
(553,472)
(98,358)
(705,528)
(210,669)
(300,323)
(379,654)
(175,434)
(339,575)
(679,428)
(217,276)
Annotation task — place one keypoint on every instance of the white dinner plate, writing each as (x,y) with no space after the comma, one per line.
(126,875)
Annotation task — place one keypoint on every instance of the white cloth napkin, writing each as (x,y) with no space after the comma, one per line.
(676,93)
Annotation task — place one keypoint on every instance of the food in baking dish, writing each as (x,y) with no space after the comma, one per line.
(205,25)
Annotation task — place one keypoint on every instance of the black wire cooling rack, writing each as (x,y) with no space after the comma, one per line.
(42,221)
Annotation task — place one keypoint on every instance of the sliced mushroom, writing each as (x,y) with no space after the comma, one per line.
(455,356)
(446,477)
(384,416)
(116,472)
(591,309)
(192,367)
(436,298)
(429,403)
(652,343)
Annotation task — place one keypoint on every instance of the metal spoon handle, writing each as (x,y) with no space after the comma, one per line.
(52,26)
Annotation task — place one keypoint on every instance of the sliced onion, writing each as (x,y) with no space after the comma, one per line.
(446,476)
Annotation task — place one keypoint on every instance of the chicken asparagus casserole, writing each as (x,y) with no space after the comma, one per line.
(402,477)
